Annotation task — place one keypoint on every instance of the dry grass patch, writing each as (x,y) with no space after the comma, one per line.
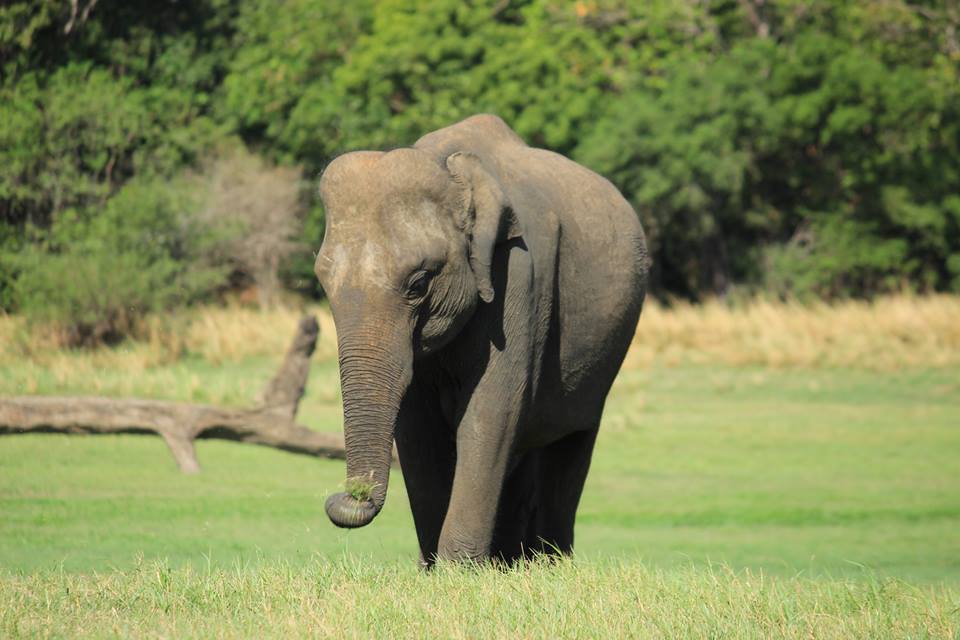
(234,333)
(215,334)
(217,340)
(886,334)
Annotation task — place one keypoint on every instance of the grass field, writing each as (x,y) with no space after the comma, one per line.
(360,599)
(764,491)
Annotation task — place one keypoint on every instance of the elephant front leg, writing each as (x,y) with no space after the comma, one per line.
(426,448)
(484,443)
(492,407)
(482,462)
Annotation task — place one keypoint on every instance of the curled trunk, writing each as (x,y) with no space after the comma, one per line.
(376,362)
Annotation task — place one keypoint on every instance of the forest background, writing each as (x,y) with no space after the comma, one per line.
(160,154)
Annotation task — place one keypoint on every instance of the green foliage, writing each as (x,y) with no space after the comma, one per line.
(275,85)
(817,164)
(94,279)
(687,156)
(805,149)
(20,23)
(545,67)
(882,166)
(82,114)
(61,151)
(360,489)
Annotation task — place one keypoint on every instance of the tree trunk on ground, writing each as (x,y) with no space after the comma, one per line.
(271,423)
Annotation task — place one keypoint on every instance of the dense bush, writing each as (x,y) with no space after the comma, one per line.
(94,279)
(794,147)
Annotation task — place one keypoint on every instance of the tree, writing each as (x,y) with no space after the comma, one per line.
(689,156)
(814,152)
(546,67)
(283,66)
(796,147)
(260,208)
(94,278)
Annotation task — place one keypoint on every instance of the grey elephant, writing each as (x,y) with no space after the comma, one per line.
(484,293)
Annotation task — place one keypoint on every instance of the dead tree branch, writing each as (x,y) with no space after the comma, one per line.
(271,423)
(74,9)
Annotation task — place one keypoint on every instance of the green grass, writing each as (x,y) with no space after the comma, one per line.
(721,501)
(357,598)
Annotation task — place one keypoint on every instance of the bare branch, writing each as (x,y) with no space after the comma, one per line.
(74,10)
(262,203)
(270,424)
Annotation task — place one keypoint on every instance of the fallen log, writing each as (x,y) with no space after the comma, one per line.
(271,423)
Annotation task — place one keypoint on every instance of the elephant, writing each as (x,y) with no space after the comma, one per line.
(484,294)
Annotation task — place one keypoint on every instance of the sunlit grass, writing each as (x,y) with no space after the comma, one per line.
(781,470)
(810,451)
(359,599)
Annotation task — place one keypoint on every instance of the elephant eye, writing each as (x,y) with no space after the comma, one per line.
(419,284)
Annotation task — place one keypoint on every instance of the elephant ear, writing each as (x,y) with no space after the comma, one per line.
(487,216)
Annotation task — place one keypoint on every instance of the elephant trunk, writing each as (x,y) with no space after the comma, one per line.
(376,363)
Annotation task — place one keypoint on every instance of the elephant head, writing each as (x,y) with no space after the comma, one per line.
(405,261)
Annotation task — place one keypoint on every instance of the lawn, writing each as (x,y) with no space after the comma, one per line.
(776,498)
(354,598)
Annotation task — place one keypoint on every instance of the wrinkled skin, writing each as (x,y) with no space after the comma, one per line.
(484,294)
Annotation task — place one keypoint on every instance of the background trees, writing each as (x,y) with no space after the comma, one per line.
(791,147)
(257,210)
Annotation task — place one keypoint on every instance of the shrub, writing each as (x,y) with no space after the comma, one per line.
(93,279)
(258,207)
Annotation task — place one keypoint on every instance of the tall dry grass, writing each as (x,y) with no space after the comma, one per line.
(231,334)
(889,333)
(31,360)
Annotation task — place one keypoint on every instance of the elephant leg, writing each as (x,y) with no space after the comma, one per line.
(493,402)
(427,452)
(517,511)
(563,471)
